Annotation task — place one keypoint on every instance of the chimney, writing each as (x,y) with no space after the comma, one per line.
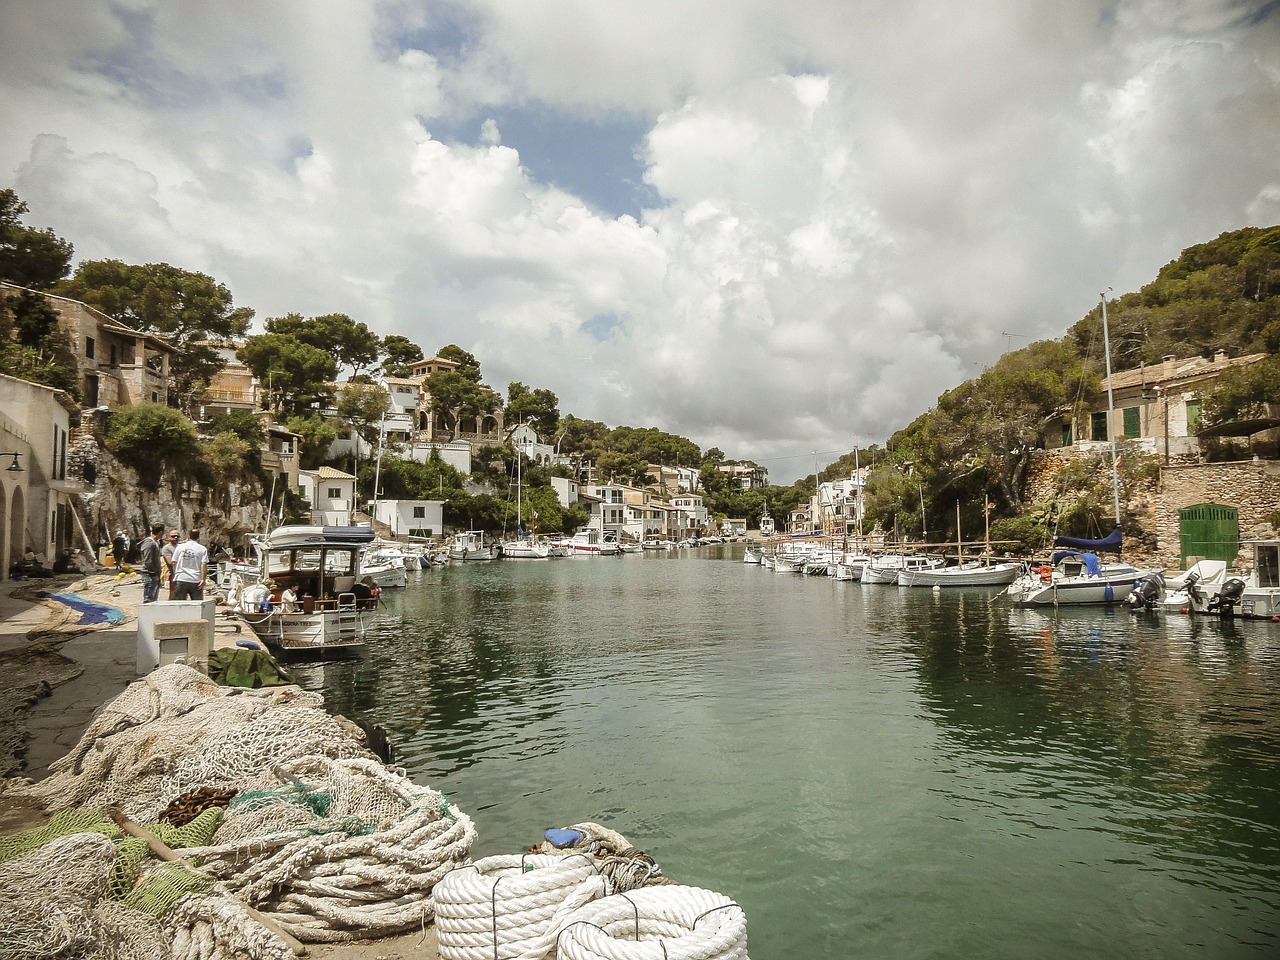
(1167,363)
(1219,356)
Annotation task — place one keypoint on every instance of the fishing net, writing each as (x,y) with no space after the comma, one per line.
(288,819)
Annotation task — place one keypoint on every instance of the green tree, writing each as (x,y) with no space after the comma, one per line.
(362,407)
(351,343)
(152,439)
(316,436)
(399,354)
(298,377)
(468,365)
(29,257)
(454,397)
(185,307)
(1245,393)
(540,409)
(33,346)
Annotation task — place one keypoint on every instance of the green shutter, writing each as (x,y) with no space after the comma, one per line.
(1193,417)
(1132,423)
(1098,426)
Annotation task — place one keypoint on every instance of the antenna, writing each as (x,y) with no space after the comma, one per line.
(1008,339)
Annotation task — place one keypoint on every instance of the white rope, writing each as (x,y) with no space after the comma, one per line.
(656,923)
(507,907)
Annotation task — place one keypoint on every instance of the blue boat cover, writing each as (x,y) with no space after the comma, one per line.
(1092,565)
(1109,544)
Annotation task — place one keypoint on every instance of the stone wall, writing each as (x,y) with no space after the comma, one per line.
(1252,487)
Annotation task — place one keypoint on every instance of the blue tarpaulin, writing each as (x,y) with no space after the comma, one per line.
(90,612)
(1108,544)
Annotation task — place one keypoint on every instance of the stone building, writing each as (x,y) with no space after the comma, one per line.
(36,490)
(116,365)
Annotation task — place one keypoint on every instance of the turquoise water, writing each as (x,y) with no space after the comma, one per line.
(867,770)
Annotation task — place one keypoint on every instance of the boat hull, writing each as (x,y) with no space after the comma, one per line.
(331,635)
(996,575)
(1107,587)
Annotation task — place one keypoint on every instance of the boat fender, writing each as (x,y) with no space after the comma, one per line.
(1108,593)
(563,838)
(248,645)
(1046,573)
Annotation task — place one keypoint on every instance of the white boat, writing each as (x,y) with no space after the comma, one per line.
(657,544)
(589,541)
(1074,577)
(526,549)
(470,545)
(1076,574)
(972,574)
(386,566)
(750,555)
(850,566)
(320,565)
(886,567)
(1209,587)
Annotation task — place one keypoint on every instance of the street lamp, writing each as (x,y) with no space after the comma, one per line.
(15,466)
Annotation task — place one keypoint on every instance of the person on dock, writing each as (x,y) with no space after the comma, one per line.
(149,557)
(166,558)
(119,547)
(191,567)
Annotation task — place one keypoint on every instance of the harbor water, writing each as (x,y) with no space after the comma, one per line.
(868,770)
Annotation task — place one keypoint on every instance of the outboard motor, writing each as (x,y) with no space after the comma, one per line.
(1225,600)
(1146,593)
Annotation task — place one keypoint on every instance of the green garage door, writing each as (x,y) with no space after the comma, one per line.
(1209,530)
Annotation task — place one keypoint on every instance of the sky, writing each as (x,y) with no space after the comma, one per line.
(777,228)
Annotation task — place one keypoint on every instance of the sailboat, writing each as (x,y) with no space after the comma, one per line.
(524,547)
(1076,574)
(973,573)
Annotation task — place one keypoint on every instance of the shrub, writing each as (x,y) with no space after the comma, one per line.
(152,438)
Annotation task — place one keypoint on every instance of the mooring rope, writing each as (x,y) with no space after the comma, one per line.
(512,906)
(656,923)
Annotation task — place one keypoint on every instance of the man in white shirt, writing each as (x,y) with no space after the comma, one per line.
(190,567)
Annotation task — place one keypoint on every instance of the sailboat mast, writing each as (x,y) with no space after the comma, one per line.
(1111,409)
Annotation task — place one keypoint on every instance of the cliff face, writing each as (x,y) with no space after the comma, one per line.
(115,500)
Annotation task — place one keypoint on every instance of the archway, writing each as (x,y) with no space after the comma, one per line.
(4,530)
(17,529)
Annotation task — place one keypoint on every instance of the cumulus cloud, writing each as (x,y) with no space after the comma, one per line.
(853,206)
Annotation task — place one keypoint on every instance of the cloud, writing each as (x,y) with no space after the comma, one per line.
(777,232)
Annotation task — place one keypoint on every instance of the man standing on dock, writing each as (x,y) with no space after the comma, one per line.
(149,555)
(190,567)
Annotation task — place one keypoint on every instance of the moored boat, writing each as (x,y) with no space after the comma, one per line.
(972,574)
(320,567)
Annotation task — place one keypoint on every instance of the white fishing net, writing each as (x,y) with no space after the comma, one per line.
(320,837)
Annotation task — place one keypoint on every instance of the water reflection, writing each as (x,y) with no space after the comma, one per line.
(861,766)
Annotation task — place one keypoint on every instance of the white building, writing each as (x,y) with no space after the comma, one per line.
(331,493)
(411,518)
(838,505)
(524,439)
(694,509)
(35,493)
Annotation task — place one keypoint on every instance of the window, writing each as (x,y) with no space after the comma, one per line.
(335,493)
(1067,439)
(419,513)
(113,355)
(1193,417)
(88,347)
(1132,423)
(1098,426)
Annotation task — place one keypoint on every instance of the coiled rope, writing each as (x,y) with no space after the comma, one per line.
(512,906)
(657,923)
